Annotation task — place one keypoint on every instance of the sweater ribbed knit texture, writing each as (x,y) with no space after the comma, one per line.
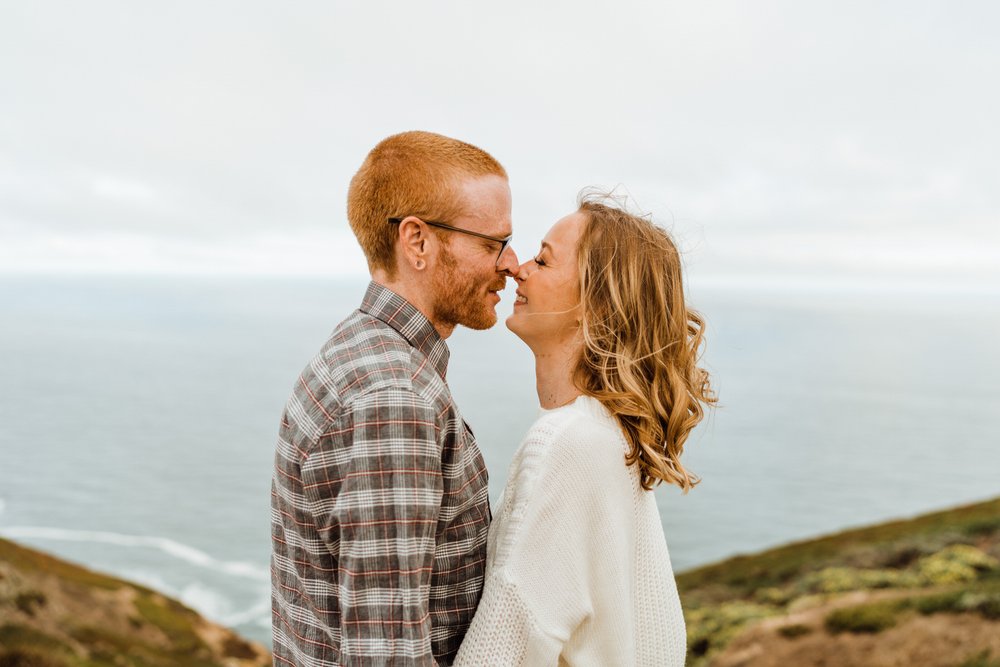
(577,569)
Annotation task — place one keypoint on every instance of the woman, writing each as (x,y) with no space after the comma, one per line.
(578,571)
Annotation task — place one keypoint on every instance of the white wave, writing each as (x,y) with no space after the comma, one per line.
(260,613)
(216,606)
(170,547)
(149,580)
(207,601)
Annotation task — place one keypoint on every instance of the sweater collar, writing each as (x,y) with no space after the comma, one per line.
(587,405)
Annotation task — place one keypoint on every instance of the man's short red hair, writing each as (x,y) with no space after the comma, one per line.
(412,173)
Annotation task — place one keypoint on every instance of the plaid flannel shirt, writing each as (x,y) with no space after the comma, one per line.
(379,504)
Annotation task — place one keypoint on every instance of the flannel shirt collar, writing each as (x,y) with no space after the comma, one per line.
(382,303)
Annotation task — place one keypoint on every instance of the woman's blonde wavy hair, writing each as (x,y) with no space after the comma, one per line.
(640,341)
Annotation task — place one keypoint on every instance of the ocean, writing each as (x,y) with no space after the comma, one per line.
(138,416)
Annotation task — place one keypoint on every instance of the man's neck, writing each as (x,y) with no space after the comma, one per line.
(415,296)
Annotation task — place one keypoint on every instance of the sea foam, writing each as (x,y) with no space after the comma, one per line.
(173,548)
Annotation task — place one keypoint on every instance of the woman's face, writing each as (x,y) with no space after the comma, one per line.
(547,309)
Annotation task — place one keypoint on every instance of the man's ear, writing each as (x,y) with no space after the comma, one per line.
(414,242)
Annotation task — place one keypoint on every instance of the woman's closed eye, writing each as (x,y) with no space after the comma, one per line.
(539,261)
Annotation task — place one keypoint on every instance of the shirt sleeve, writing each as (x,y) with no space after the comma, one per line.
(538,588)
(379,521)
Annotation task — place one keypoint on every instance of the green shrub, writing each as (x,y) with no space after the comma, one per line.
(806,602)
(870,618)
(794,630)
(21,636)
(843,579)
(934,604)
(99,640)
(902,556)
(982,527)
(955,564)
(990,608)
(773,595)
(29,601)
(986,604)
(174,619)
(712,627)
(831,580)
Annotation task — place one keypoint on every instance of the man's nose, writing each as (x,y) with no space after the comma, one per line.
(508,262)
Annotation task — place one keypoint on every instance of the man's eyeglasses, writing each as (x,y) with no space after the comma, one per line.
(504,242)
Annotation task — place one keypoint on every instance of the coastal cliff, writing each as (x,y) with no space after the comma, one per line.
(56,614)
(916,593)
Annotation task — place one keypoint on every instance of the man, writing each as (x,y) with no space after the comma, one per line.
(379,498)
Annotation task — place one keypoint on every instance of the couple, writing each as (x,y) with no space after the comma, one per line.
(383,550)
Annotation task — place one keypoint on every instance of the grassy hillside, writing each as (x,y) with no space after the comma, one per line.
(920,592)
(925,591)
(56,614)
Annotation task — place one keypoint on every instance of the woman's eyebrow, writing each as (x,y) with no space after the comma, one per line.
(548,246)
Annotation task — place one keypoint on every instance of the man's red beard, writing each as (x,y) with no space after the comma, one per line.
(460,300)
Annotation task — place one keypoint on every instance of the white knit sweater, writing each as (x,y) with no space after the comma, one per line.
(577,569)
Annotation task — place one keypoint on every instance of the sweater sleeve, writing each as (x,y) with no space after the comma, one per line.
(505,631)
(539,586)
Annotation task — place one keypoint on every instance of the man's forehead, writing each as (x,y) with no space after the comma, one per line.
(489,187)
(486,200)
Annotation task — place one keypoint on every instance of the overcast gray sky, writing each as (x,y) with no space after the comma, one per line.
(828,143)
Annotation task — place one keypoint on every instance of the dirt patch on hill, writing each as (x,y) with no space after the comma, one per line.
(802,639)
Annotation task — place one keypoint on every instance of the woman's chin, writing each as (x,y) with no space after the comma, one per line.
(515,324)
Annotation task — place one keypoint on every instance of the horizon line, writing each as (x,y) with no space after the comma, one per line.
(785,283)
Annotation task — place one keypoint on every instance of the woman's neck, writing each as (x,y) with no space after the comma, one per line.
(554,376)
